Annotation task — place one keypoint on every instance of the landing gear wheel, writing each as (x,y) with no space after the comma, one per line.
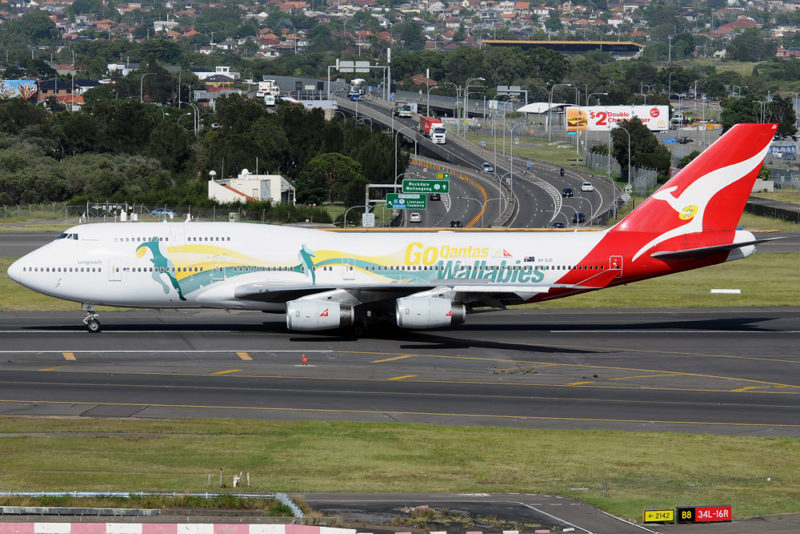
(93,326)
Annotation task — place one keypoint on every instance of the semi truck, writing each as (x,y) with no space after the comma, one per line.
(433,129)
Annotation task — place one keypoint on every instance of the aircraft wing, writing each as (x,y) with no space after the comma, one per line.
(475,294)
(705,251)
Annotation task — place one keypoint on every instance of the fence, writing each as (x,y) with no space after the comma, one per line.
(112,212)
(644,181)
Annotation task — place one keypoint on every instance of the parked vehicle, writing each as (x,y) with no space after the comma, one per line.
(163,213)
(434,129)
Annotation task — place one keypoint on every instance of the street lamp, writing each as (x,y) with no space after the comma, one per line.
(397,133)
(141,86)
(466,98)
(428,101)
(347,211)
(629,152)
(196,117)
(586,137)
(479,202)
(550,110)
(511,178)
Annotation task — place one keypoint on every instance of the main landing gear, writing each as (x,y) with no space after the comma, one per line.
(91,320)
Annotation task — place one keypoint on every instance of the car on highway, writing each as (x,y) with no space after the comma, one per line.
(567,192)
(435,196)
(162,213)
(558,225)
(487,167)
(414,217)
(587,187)
(456,224)
(579,218)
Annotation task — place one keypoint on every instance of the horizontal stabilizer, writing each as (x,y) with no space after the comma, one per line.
(705,251)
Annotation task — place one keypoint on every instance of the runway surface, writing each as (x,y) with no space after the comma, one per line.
(727,371)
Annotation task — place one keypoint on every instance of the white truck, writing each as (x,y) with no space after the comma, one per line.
(268,87)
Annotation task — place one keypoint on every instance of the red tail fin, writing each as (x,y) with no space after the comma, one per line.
(707,196)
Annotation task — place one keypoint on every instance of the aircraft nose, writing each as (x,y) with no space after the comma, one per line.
(15,271)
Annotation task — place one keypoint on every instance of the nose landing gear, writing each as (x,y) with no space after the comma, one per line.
(91,320)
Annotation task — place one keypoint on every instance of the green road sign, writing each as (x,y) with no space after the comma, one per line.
(426,186)
(402,201)
(442,175)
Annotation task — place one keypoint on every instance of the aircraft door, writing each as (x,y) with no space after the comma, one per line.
(349,269)
(114,270)
(218,273)
(615,264)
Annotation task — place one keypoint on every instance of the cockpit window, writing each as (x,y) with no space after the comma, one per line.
(62,236)
(68,236)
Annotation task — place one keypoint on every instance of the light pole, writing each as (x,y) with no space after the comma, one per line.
(511,178)
(196,117)
(141,86)
(586,137)
(550,110)
(347,211)
(396,135)
(479,202)
(428,101)
(629,153)
(464,110)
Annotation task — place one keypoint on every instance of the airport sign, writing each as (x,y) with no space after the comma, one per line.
(659,516)
(426,186)
(402,201)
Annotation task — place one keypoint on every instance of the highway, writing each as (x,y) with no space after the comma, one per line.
(537,189)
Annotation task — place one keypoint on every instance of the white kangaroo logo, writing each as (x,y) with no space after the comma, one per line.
(696,197)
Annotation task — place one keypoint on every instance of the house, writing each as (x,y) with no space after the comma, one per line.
(252,188)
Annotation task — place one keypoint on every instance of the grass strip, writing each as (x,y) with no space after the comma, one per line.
(757,475)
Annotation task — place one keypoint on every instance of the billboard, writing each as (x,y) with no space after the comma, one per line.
(605,118)
(27,89)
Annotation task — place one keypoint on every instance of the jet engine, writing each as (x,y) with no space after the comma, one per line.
(315,314)
(428,312)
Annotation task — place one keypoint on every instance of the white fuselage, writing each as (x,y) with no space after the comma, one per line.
(177,265)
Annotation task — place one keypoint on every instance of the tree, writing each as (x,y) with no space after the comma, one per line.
(411,35)
(645,149)
(553,21)
(750,45)
(331,177)
(750,108)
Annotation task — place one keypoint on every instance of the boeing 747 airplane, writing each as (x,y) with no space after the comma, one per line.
(429,279)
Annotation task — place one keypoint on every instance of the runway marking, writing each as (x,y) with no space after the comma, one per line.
(53,368)
(69,356)
(656,375)
(244,356)
(794,389)
(402,357)
(579,383)
(747,388)
(226,372)
(403,377)
(399,413)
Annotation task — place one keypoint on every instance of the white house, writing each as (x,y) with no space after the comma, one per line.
(252,188)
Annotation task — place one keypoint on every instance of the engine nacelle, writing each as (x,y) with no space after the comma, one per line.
(314,314)
(428,312)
